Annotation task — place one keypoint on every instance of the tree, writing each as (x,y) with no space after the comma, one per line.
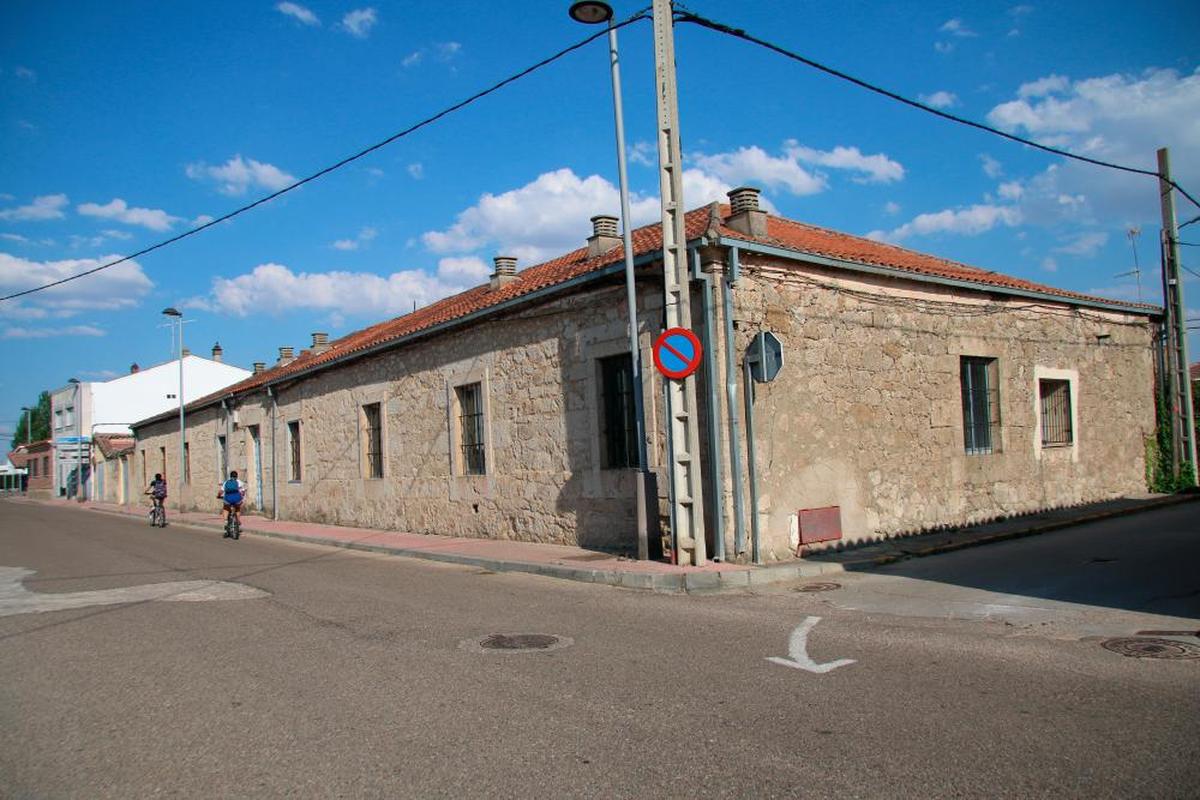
(36,423)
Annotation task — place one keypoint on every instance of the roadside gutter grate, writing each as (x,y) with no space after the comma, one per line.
(517,643)
(1152,648)
(821,586)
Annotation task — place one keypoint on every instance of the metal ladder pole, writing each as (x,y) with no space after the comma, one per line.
(1181,390)
(687,493)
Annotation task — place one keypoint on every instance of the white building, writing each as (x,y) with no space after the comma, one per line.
(80,410)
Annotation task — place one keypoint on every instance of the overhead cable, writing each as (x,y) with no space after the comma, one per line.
(338,165)
(738,33)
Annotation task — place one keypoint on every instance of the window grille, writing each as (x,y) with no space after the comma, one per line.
(373,430)
(187,462)
(222,459)
(162,458)
(1055,396)
(294,444)
(981,404)
(618,431)
(470,419)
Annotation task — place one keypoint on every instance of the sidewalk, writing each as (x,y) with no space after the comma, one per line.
(575,563)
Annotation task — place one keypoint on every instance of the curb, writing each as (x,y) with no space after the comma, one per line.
(1003,536)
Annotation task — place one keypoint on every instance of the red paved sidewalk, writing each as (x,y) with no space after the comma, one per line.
(574,563)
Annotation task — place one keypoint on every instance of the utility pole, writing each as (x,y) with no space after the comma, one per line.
(683,441)
(1182,413)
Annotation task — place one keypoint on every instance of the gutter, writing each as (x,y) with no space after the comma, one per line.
(710,385)
(892,272)
(735,438)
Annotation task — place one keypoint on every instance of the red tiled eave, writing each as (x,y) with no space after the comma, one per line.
(785,234)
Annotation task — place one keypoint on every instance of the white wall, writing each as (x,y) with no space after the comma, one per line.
(143,394)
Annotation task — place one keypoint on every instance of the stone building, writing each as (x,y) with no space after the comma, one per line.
(110,468)
(915,393)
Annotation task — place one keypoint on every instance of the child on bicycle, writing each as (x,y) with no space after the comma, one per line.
(232,492)
(158,490)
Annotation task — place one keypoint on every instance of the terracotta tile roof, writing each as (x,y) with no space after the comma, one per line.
(783,233)
(114,444)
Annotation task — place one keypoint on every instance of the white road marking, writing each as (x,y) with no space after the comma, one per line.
(16,599)
(798,651)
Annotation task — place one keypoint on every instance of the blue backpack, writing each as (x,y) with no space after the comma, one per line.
(233,494)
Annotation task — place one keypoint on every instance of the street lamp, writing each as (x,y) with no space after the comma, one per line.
(177,316)
(592,12)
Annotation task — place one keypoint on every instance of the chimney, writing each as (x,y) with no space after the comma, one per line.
(320,342)
(286,356)
(744,214)
(186,352)
(217,352)
(506,271)
(605,235)
(260,366)
(133,368)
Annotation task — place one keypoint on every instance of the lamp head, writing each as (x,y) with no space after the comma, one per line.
(591,12)
(171,311)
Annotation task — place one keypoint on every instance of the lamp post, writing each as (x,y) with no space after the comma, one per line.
(592,12)
(178,318)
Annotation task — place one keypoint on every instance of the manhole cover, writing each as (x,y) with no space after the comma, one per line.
(1152,648)
(823,586)
(517,642)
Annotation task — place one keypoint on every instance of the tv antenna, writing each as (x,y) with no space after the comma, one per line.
(1136,272)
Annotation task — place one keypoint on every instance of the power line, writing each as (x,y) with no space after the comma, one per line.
(338,165)
(687,16)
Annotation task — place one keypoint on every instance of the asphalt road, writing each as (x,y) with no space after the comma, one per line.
(330,673)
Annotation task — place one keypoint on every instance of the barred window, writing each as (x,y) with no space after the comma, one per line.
(162,458)
(222,459)
(618,431)
(373,440)
(33,468)
(471,437)
(1055,397)
(980,404)
(187,462)
(294,445)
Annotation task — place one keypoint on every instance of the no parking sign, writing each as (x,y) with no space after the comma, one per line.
(677,353)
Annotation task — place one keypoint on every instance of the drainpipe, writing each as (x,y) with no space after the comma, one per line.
(714,433)
(748,384)
(735,438)
(274,470)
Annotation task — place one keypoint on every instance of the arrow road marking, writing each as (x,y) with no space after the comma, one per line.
(798,651)
(16,599)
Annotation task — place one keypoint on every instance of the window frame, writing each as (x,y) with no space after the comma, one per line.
(371,437)
(295,452)
(471,425)
(1056,422)
(980,405)
(618,443)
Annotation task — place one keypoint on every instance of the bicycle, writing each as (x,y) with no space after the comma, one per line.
(158,514)
(233,524)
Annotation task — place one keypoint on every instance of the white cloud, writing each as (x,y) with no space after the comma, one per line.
(276,290)
(991,167)
(114,288)
(970,221)
(14,237)
(298,12)
(644,153)
(956,27)
(364,236)
(944,48)
(1084,244)
(203,219)
(939,99)
(43,333)
(878,168)
(1021,10)
(754,165)
(412,59)
(891,208)
(442,51)
(117,209)
(1012,190)
(359,22)
(48,206)
(237,175)
(1049,264)
(1118,118)
(416,170)
(447,50)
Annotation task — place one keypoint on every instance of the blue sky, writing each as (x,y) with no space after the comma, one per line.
(122,124)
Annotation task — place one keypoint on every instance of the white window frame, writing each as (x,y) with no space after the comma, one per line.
(1071,376)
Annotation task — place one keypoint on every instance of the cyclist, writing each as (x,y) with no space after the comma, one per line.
(232,493)
(158,492)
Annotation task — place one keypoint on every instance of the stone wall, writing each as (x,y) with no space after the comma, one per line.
(544,483)
(867,411)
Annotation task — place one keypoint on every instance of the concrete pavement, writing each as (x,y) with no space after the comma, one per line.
(589,566)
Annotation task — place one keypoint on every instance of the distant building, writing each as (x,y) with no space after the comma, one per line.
(915,393)
(80,411)
(35,459)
